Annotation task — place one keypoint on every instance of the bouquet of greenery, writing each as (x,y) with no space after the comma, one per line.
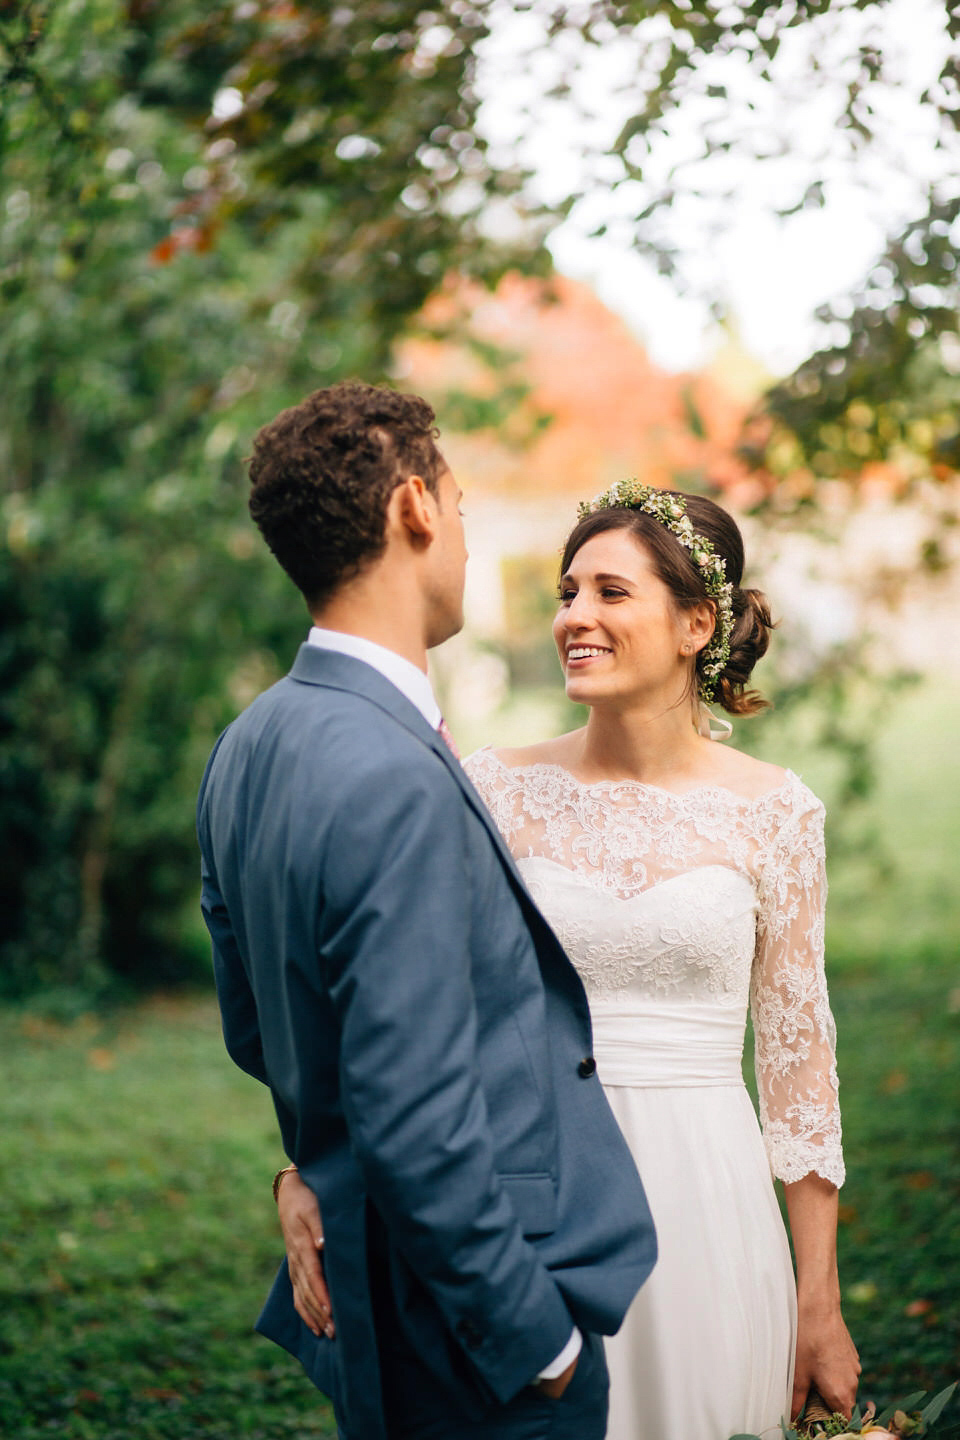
(913,1416)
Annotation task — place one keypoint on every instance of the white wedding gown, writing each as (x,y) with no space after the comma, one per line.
(678,911)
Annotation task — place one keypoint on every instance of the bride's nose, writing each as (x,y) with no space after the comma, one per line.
(579,614)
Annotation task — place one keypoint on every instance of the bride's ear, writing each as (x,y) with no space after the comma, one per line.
(698,626)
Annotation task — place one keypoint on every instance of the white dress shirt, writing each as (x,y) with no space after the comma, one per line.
(413,683)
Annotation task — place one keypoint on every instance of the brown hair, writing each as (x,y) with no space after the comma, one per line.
(673,565)
(323,472)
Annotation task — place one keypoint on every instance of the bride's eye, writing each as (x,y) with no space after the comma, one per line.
(609,593)
(565,594)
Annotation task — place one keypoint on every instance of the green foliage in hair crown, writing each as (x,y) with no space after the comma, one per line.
(671,513)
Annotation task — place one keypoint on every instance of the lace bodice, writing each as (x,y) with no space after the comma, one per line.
(684,900)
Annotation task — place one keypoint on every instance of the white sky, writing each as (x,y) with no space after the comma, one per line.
(770,274)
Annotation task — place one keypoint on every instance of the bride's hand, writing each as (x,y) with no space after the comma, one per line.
(303,1238)
(827,1360)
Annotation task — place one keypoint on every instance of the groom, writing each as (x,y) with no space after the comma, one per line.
(381,967)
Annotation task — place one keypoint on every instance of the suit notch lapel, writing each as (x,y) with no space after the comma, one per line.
(330,669)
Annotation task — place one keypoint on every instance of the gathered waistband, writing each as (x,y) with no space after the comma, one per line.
(668,1045)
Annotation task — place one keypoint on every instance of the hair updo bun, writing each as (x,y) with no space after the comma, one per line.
(752,624)
(672,562)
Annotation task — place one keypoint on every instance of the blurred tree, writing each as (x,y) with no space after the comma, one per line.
(207,210)
(886,391)
(818,94)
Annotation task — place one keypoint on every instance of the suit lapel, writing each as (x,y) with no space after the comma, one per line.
(331,669)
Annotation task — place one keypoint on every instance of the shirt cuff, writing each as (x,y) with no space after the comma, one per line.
(566,1357)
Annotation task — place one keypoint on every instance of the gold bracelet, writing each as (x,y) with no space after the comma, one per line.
(278,1179)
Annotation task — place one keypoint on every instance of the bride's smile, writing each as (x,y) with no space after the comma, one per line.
(577,654)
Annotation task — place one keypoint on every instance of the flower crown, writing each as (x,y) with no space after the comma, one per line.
(671,512)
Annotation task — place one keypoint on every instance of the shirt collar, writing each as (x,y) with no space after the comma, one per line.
(408,679)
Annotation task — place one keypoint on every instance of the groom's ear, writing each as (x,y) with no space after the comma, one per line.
(412,511)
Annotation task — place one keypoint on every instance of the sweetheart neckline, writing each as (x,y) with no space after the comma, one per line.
(648,890)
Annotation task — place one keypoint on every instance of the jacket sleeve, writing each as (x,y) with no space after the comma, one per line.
(241,1028)
(396,949)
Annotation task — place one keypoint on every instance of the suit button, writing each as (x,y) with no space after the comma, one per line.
(469,1334)
(587,1067)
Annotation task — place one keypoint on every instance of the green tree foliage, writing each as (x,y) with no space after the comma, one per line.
(713,81)
(207,211)
(884,383)
(887,387)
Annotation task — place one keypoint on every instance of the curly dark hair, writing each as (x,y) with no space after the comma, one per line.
(752,621)
(322,473)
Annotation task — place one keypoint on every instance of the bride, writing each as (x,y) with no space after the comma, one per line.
(686,881)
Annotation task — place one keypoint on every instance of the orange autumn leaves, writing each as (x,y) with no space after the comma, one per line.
(612,412)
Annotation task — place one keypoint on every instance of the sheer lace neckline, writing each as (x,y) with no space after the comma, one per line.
(719,792)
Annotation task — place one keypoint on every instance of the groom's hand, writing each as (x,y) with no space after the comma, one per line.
(555,1388)
(303,1237)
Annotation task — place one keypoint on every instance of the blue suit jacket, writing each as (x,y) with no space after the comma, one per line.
(382,968)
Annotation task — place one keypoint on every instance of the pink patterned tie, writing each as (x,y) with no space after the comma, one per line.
(443,731)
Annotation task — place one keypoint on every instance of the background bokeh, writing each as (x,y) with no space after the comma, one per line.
(207,211)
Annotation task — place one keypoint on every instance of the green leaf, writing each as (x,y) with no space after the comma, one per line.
(935,1408)
(908,1402)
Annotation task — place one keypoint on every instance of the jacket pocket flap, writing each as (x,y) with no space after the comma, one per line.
(534,1199)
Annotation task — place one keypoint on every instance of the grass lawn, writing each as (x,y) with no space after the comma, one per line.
(138,1235)
(900,1210)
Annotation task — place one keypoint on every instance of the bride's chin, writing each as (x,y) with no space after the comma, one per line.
(581,692)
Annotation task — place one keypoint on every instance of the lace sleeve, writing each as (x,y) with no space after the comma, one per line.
(794,1029)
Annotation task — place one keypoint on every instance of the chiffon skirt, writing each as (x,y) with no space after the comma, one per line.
(706,1350)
